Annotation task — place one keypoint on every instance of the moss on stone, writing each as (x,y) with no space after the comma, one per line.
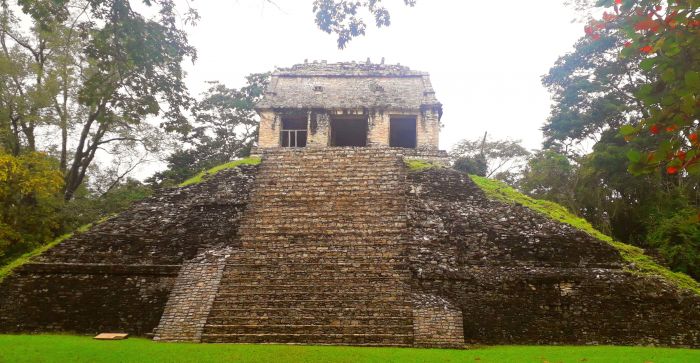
(208,173)
(419,165)
(639,263)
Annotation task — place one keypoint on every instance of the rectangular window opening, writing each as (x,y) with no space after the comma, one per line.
(402,131)
(349,131)
(293,133)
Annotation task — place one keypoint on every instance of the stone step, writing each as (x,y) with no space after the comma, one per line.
(300,275)
(329,237)
(334,339)
(376,329)
(308,295)
(385,302)
(327,226)
(260,292)
(399,310)
(325,256)
(341,279)
(278,319)
(340,267)
(330,286)
(294,247)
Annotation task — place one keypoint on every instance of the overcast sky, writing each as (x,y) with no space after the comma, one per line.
(485,58)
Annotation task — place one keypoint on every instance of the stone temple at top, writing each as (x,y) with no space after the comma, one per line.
(321,104)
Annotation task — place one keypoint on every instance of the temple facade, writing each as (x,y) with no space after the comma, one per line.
(320,104)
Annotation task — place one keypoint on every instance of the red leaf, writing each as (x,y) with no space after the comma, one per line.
(647,24)
(654,129)
(681,155)
(618,2)
(693,137)
(646,49)
(672,170)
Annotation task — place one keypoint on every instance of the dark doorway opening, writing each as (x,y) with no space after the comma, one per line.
(348,131)
(402,131)
(293,133)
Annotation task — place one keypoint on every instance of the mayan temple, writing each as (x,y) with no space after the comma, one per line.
(333,239)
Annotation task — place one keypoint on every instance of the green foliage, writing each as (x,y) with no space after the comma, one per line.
(66,348)
(226,127)
(476,165)
(30,186)
(549,175)
(87,208)
(344,18)
(678,241)
(503,158)
(202,176)
(7,268)
(90,73)
(419,165)
(639,263)
(665,35)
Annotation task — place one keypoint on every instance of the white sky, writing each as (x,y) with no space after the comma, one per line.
(485,58)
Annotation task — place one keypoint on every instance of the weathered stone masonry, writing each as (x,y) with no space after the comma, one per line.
(315,94)
(520,278)
(345,247)
(323,257)
(119,274)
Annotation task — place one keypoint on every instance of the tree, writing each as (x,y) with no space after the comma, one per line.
(226,127)
(30,186)
(662,37)
(552,176)
(678,241)
(342,17)
(593,91)
(476,164)
(598,91)
(94,69)
(503,158)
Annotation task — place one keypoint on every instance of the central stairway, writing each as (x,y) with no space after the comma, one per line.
(323,257)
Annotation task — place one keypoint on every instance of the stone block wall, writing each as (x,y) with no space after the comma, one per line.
(118,275)
(428,130)
(437,323)
(521,278)
(269,130)
(378,131)
(191,298)
(83,298)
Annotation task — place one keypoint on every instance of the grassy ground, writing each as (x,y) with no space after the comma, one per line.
(64,348)
(642,264)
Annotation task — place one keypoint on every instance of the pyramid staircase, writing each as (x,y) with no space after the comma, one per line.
(323,257)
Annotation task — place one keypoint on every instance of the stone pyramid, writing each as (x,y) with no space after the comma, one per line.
(346,246)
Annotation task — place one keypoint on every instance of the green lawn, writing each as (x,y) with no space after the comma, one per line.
(65,348)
